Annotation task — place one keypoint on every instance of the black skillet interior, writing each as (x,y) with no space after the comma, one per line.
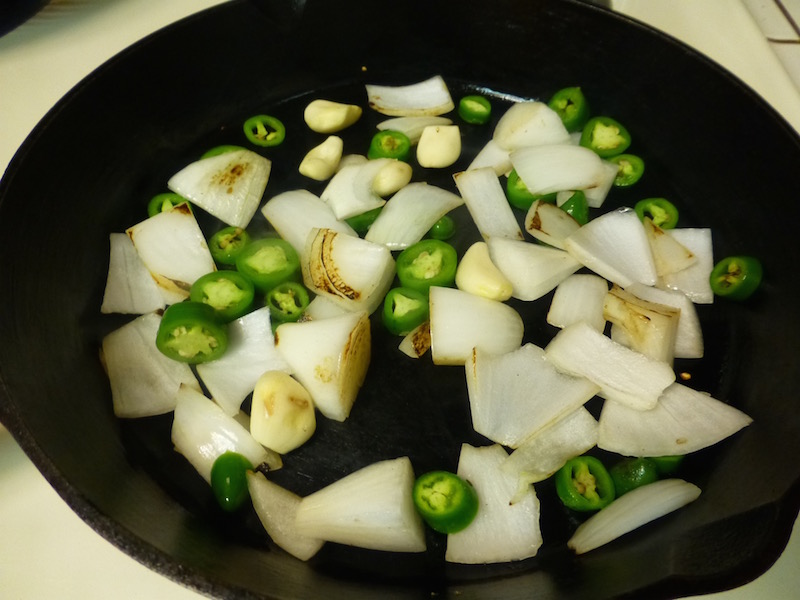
(711,145)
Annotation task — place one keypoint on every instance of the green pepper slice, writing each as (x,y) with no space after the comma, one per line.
(474,109)
(217,150)
(264,131)
(287,302)
(427,263)
(164,202)
(443,229)
(661,212)
(446,502)
(389,144)
(630,169)
(268,262)
(404,309)
(667,465)
(736,277)
(583,484)
(362,222)
(190,332)
(229,480)
(631,473)
(605,136)
(229,293)
(226,245)
(572,106)
(577,206)
(518,194)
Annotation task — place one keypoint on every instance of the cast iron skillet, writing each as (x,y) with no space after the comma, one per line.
(710,144)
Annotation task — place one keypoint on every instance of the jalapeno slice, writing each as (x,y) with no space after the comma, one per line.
(190,332)
(362,222)
(427,263)
(630,169)
(226,245)
(443,229)
(229,293)
(605,136)
(475,109)
(667,465)
(518,194)
(268,262)
(572,106)
(631,473)
(389,144)
(164,202)
(583,484)
(264,130)
(229,480)
(404,309)
(661,211)
(577,206)
(446,502)
(736,277)
(287,302)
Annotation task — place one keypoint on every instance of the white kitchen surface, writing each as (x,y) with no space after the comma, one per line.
(46,551)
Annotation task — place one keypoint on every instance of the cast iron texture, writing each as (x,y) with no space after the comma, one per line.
(710,144)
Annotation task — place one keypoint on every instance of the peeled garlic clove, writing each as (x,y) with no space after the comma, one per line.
(439,146)
(325,116)
(391,178)
(321,162)
(282,415)
(478,275)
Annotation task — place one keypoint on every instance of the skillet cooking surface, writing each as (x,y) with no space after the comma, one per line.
(713,147)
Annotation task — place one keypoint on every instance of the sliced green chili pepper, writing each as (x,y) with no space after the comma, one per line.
(164,202)
(667,465)
(571,106)
(518,194)
(389,144)
(217,150)
(190,332)
(577,206)
(630,473)
(287,301)
(361,223)
(661,211)
(736,277)
(630,169)
(443,229)
(264,130)
(605,136)
(404,309)
(427,263)
(229,293)
(475,109)
(584,484)
(229,480)
(227,244)
(268,262)
(445,501)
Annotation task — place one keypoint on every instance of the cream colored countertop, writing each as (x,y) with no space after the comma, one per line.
(46,551)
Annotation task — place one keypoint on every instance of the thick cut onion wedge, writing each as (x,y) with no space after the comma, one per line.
(144,382)
(515,395)
(533,269)
(669,255)
(350,271)
(487,204)
(545,452)
(622,374)
(529,124)
(477,274)
(683,421)
(295,213)
(580,297)
(501,531)
(172,247)
(330,358)
(251,351)
(689,336)
(644,326)
(410,214)
(370,508)
(428,98)
(276,508)
(615,246)
(201,432)
(228,186)
(412,127)
(636,508)
(461,321)
(557,167)
(130,289)
(549,224)
(494,157)
(693,280)
(417,342)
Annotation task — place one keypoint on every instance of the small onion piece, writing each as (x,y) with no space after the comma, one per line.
(487,204)
(527,124)
(549,224)
(669,255)
(493,156)
(636,508)
(417,342)
(412,127)
(350,192)
(558,167)
(430,97)
(580,297)
(693,280)
(130,289)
